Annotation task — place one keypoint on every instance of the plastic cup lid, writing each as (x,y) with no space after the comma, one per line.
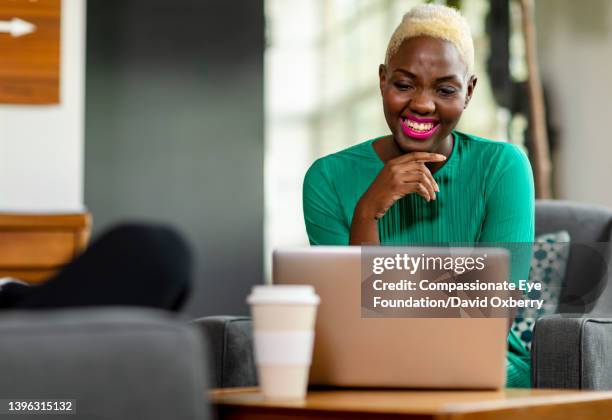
(283,294)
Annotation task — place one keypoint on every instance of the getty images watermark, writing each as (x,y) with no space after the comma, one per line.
(488,280)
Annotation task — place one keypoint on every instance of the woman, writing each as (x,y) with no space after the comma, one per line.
(425,183)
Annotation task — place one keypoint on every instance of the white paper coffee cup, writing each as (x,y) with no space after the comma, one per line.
(283,321)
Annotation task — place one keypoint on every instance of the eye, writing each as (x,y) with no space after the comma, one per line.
(403,86)
(447,90)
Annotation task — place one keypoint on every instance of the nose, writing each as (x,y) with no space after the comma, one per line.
(421,103)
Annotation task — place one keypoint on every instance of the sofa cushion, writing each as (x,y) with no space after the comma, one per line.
(548,262)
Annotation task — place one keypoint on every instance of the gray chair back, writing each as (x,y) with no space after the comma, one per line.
(115,363)
(587,275)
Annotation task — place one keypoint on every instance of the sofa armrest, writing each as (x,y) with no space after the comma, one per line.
(114,363)
(572,352)
(229,340)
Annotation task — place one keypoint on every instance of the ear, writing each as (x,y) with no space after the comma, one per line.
(470,90)
(382,77)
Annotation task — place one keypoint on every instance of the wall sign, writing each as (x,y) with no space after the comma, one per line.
(30,51)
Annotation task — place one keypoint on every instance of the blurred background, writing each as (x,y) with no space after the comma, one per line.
(205,114)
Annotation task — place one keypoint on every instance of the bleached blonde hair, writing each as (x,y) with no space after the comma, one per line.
(436,21)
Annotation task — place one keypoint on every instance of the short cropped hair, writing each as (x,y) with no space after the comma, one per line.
(436,21)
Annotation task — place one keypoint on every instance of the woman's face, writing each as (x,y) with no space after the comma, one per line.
(425,88)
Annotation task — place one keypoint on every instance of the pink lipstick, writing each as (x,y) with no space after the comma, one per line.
(419,128)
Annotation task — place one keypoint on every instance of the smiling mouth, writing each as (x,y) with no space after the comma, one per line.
(419,129)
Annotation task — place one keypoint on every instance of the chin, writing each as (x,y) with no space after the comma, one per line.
(409,144)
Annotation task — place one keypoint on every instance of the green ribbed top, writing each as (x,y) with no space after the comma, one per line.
(486,195)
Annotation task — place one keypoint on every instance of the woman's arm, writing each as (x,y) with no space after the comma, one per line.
(510,211)
(399,177)
(322,208)
(364,227)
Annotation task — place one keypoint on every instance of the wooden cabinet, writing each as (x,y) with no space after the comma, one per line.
(33,247)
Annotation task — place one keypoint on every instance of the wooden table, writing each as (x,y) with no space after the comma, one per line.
(515,404)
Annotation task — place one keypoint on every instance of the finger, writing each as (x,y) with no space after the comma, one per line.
(415,165)
(419,157)
(430,185)
(427,172)
(423,191)
(418,188)
(422,177)
(419,166)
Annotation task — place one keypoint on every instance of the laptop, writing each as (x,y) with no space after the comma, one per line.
(352,350)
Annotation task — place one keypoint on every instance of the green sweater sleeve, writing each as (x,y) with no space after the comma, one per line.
(322,209)
(509,222)
(510,200)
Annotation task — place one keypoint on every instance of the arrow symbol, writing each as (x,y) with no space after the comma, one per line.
(16,27)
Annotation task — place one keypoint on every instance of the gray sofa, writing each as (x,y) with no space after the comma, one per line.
(569,351)
(575,351)
(118,363)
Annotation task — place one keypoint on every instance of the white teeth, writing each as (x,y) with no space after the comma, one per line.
(419,126)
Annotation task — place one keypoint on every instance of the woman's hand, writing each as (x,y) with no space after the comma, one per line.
(401,176)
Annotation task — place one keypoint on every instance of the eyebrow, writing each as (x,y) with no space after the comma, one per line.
(438,80)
